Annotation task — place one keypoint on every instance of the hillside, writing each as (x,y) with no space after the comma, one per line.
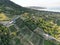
(30,26)
(36,7)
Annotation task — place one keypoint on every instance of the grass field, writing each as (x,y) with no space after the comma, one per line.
(3,17)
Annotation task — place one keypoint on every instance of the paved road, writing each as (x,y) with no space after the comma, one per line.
(11,21)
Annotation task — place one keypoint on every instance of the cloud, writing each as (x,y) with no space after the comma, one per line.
(43,3)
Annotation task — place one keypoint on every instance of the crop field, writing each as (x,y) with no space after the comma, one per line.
(3,17)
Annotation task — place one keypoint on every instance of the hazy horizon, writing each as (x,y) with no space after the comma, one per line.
(50,4)
(41,3)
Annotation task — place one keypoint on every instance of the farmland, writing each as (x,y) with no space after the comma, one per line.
(3,17)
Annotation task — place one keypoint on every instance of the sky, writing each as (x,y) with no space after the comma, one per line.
(40,3)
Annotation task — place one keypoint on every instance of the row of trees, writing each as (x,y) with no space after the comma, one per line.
(4,35)
(48,26)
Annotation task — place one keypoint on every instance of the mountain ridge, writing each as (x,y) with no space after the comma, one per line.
(36,7)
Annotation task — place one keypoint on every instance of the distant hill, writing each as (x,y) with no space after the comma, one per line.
(36,7)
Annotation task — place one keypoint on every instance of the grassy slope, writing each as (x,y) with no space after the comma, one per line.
(3,17)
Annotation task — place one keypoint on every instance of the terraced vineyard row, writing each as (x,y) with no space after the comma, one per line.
(26,36)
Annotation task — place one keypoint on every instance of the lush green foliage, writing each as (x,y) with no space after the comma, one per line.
(48,26)
(21,32)
(4,35)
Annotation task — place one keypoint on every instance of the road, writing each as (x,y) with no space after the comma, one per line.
(11,21)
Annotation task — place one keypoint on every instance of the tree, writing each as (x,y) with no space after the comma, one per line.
(48,26)
(4,35)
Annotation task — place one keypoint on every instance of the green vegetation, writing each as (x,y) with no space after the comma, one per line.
(12,28)
(48,26)
(25,36)
(4,35)
(21,32)
(48,43)
(3,17)
(20,23)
